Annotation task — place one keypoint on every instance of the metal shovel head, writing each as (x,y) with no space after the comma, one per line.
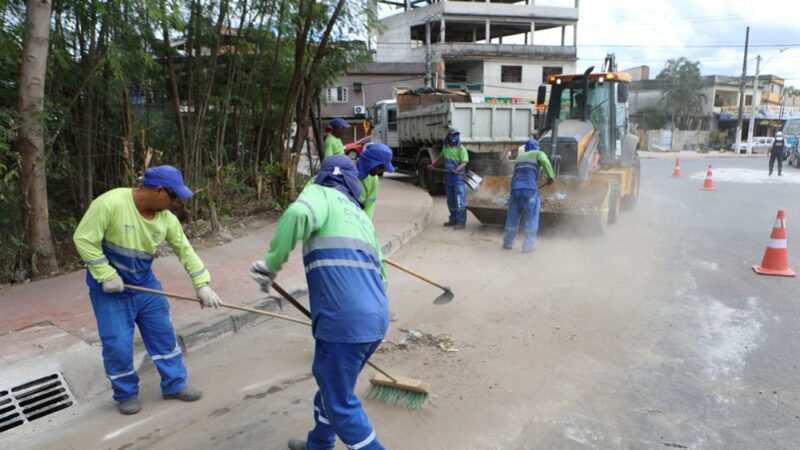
(473,180)
(446,297)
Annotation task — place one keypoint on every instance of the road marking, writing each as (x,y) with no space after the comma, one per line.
(124,429)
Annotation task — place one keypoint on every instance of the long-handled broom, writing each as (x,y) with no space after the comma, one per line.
(399,391)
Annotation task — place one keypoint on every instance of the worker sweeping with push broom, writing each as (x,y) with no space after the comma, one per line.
(117,238)
(349,307)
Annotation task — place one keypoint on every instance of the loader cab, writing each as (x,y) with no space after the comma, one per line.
(606,110)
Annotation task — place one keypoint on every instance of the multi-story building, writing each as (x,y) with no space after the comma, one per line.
(494,48)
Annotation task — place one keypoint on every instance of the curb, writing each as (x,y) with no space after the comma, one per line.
(200,334)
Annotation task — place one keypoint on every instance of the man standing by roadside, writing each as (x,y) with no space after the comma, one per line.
(776,152)
(524,202)
(349,308)
(117,239)
(333,143)
(455,159)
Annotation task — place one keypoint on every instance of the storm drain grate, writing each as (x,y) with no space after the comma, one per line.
(32,400)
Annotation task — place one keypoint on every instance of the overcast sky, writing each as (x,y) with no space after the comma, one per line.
(711,31)
(649,32)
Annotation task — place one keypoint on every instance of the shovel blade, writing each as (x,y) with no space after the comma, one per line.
(446,297)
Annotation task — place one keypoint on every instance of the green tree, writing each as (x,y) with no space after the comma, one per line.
(682,96)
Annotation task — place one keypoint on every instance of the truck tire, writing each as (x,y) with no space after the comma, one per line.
(424,180)
(629,202)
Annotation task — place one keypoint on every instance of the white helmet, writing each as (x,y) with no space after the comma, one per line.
(779,134)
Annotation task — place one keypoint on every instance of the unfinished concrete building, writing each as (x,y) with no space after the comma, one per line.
(494,48)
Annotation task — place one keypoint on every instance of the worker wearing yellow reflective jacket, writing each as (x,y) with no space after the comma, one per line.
(373,162)
(117,239)
(333,143)
(524,202)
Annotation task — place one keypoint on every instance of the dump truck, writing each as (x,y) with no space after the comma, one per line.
(414,125)
(586,136)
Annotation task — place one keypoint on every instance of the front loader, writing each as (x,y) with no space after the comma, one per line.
(586,137)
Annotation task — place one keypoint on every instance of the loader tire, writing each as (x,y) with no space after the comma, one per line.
(629,202)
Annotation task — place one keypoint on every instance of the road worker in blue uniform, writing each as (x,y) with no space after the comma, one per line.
(346,286)
(455,158)
(524,202)
(117,239)
(373,162)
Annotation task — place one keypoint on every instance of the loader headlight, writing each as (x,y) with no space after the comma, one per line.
(558,81)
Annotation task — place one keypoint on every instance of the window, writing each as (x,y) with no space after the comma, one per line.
(336,94)
(547,71)
(511,74)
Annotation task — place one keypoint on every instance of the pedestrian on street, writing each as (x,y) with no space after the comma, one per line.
(373,162)
(117,238)
(525,202)
(333,143)
(346,288)
(455,158)
(776,152)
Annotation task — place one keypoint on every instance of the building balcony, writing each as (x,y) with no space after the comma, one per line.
(477,50)
(771,97)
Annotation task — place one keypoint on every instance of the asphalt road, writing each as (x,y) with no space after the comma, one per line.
(656,335)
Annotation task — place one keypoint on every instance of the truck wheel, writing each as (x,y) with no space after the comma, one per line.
(424,179)
(629,202)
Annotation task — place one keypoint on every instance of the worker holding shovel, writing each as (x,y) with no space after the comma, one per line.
(117,238)
(524,202)
(455,158)
(349,307)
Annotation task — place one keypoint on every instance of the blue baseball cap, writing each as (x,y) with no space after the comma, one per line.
(338,123)
(167,177)
(373,156)
(532,144)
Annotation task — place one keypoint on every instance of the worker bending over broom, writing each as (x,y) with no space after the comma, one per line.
(349,308)
(117,238)
(524,202)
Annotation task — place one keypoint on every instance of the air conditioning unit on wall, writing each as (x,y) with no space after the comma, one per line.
(359,110)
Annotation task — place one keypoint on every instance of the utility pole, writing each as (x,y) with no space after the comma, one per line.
(753,104)
(428,56)
(741,92)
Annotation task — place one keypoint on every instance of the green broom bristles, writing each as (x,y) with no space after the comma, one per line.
(397,397)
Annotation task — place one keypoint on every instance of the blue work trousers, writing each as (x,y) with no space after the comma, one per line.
(337,410)
(457,202)
(524,204)
(116,315)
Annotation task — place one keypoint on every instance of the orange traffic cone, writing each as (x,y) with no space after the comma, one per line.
(708,184)
(776,257)
(676,172)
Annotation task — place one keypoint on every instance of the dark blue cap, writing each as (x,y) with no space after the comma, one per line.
(338,123)
(167,177)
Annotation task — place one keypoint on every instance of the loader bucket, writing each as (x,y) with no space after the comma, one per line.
(569,203)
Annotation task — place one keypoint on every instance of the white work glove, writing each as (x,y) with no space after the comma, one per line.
(113,286)
(209,298)
(262,275)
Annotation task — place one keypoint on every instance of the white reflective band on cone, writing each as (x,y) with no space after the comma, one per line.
(777,243)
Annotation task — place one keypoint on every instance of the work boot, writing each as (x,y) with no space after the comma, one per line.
(130,406)
(448,224)
(297,444)
(508,247)
(186,395)
(529,249)
(459,226)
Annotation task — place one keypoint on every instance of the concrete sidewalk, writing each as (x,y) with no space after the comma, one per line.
(38,320)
